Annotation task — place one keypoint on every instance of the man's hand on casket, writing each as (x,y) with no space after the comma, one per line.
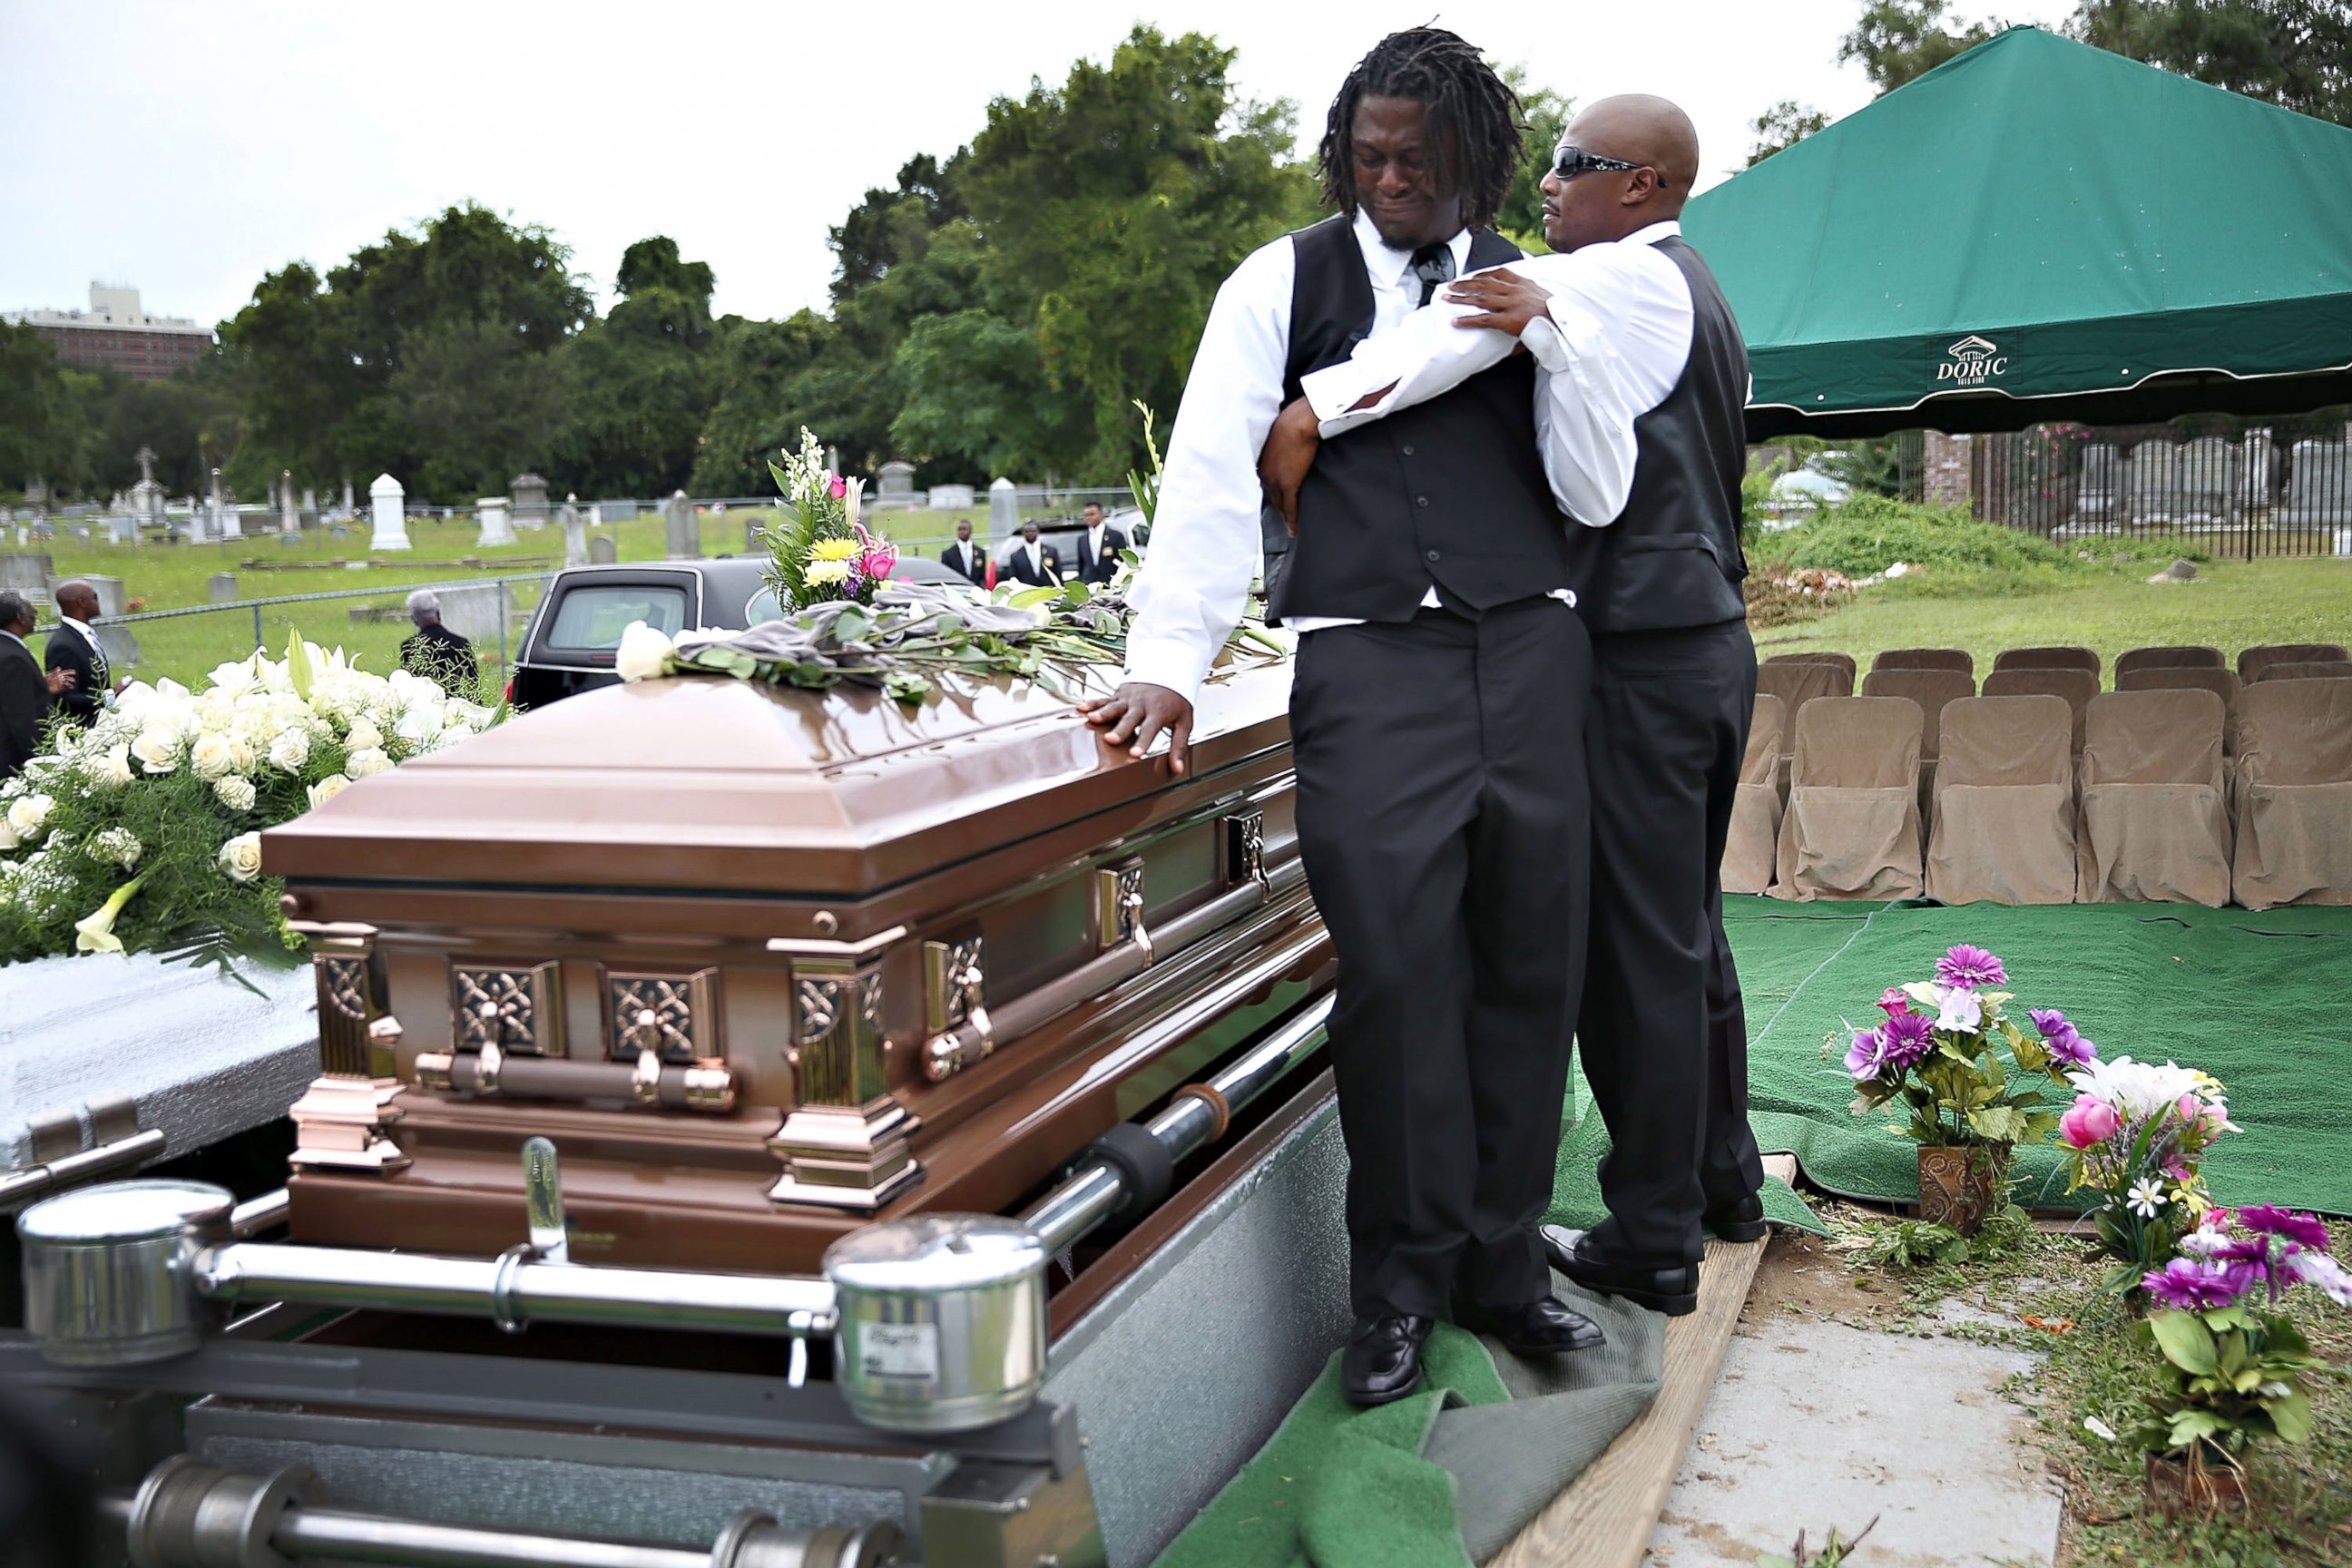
(1288,453)
(1135,715)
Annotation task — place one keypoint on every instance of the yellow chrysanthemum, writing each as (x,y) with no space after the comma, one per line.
(834,550)
(824,571)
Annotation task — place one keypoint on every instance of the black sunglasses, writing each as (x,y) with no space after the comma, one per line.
(1568,161)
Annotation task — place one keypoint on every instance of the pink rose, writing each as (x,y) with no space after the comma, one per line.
(836,487)
(1895,1000)
(2088,1124)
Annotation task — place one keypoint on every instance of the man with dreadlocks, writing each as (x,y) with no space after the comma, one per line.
(1436,709)
(1641,395)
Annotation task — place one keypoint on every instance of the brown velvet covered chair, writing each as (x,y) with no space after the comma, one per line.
(1958,658)
(2305,670)
(1930,689)
(2253,660)
(2151,791)
(2002,824)
(1843,660)
(1798,681)
(2292,793)
(2076,686)
(2177,656)
(1852,830)
(1754,845)
(2046,659)
(2221,683)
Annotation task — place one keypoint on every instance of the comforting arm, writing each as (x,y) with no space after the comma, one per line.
(1423,357)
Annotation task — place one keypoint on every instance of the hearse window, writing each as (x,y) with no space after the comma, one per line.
(591,618)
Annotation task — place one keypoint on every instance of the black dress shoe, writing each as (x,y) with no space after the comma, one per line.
(1382,1361)
(1672,1292)
(1742,1221)
(1541,1327)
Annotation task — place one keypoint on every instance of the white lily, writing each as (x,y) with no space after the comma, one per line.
(95,931)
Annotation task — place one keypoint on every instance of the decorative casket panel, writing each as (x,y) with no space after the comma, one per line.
(765,963)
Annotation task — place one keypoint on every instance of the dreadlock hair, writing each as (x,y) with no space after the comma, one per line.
(1461,94)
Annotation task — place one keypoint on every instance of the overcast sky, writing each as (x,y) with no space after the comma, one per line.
(188,149)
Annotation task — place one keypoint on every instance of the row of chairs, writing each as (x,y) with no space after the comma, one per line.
(2252,663)
(2150,807)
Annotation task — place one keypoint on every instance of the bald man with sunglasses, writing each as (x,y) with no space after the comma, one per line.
(1639,411)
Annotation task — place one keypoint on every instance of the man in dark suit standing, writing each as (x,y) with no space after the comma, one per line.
(74,647)
(1436,709)
(25,691)
(1033,562)
(436,652)
(965,557)
(1098,547)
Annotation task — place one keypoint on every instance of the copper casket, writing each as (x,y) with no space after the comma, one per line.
(767,966)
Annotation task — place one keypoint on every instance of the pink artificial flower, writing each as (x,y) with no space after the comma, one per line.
(1895,1000)
(836,487)
(2089,1123)
(2191,1108)
(875,556)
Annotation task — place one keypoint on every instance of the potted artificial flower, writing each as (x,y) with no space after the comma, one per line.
(1968,1080)
(2230,1362)
(2136,1136)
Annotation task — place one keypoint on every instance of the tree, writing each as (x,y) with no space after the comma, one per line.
(43,434)
(1895,40)
(1112,207)
(640,380)
(1544,114)
(2296,53)
(893,226)
(1781,127)
(756,414)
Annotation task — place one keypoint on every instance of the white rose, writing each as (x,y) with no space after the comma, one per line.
(363,737)
(28,815)
(157,749)
(642,653)
(236,793)
(419,725)
(327,789)
(110,768)
(212,757)
(360,764)
(241,857)
(289,750)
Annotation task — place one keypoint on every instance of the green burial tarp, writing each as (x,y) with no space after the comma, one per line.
(2040,230)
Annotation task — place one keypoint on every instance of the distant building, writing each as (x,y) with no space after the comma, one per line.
(114,334)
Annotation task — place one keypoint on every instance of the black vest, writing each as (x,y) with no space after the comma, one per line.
(1450,492)
(1672,559)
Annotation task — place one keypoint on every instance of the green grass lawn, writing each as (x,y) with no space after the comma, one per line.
(175,576)
(2230,605)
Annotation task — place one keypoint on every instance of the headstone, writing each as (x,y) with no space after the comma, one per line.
(385,499)
(222,586)
(2152,483)
(952,498)
(122,530)
(289,517)
(472,610)
(616,511)
(530,508)
(2094,500)
(498,527)
(111,600)
(683,533)
(894,487)
(29,573)
(2257,470)
(2205,473)
(1004,509)
(1034,498)
(2319,483)
(576,533)
(602,551)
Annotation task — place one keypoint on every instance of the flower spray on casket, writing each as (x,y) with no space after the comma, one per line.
(1968,1081)
(2137,1135)
(2230,1361)
(845,622)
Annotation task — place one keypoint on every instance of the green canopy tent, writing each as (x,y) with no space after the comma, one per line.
(2040,230)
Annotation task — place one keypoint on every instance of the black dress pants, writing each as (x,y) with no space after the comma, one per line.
(1441,821)
(1661,1025)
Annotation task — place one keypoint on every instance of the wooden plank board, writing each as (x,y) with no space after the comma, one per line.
(1605,1517)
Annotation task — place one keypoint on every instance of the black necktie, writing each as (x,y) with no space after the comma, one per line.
(1432,264)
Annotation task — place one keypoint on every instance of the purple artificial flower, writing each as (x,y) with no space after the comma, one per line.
(1971,966)
(2189,1286)
(1867,1059)
(2303,1230)
(1906,1037)
(2065,1045)
(2323,1273)
(1893,1001)
(2047,1021)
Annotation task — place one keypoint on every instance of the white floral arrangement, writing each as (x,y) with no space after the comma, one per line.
(142,831)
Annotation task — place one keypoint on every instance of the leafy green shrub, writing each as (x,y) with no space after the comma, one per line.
(1949,551)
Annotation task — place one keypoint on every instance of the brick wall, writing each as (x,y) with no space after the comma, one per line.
(1946,481)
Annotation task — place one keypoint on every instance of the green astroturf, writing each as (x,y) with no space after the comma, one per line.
(2257,1000)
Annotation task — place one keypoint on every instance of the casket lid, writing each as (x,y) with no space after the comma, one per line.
(710,783)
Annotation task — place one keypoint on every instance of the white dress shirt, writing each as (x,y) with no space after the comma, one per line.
(1205,539)
(1035,548)
(1615,343)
